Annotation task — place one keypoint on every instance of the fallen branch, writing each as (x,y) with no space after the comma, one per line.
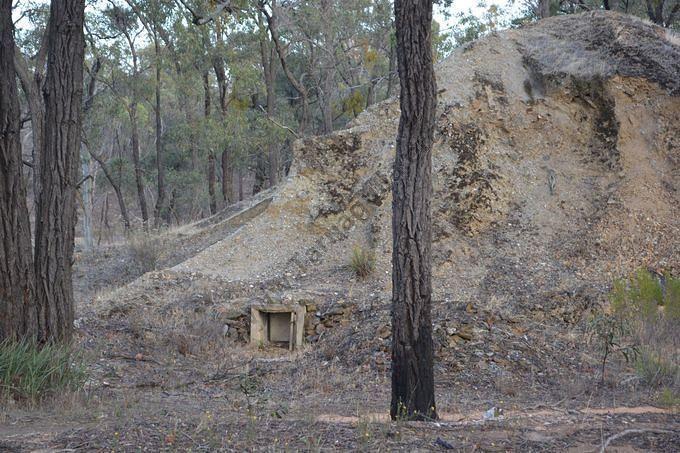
(282,126)
(132,359)
(611,439)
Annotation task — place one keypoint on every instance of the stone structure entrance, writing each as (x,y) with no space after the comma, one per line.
(277,325)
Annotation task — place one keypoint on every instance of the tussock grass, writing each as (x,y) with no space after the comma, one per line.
(362,262)
(30,374)
(145,251)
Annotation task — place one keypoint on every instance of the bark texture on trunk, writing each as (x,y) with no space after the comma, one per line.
(543,8)
(412,356)
(18,312)
(56,210)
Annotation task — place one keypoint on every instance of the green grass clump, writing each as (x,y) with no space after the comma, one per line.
(656,370)
(29,373)
(362,262)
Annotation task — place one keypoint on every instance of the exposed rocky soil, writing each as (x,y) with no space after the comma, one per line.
(556,169)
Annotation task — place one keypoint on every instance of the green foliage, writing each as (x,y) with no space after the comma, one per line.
(650,304)
(669,398)
(642,296)
(31,373)
(362,262)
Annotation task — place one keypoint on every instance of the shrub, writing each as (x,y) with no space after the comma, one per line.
(655,370)
(651,305)
(362,262)
(610,334)
(30,373)
(145,251)
(642,295)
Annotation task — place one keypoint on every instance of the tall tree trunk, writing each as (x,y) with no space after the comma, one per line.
(87,194)
(543,9)
(222,83)
(297,84)
(136,161)
(269,70)
(18,311)
(392,64)
(161,213)
(32,86)
(207,102)
(227,178)
(56,211)
(412,356)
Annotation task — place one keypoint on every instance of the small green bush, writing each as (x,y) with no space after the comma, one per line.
(611,335)
(145,251)
(30,373)
(643,294)
(669,398)
(651,305)
(362,262)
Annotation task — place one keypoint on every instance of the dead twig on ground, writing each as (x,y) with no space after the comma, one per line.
(138,358)
(626,432)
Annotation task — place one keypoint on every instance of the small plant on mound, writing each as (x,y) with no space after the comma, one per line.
(362,262)
(610,334)
(651,304)
(145,251)
(29,373)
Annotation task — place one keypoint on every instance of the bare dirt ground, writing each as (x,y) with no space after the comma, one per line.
(522,259)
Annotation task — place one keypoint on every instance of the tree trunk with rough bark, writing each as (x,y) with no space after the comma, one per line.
(412,350)
(56,210)
(18,311)
(161,215)
(32,86)
(136,162)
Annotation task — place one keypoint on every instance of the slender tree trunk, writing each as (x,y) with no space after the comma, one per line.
(267,53)
(32,86)
(412,356)
(116,188)
(87,194)
(543,9)
(18,311)
(297,84)
(227,164)
(56,211)
(211,181)
(161,214)
(227,178)
(136,161)
(392,68)
(207,103)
